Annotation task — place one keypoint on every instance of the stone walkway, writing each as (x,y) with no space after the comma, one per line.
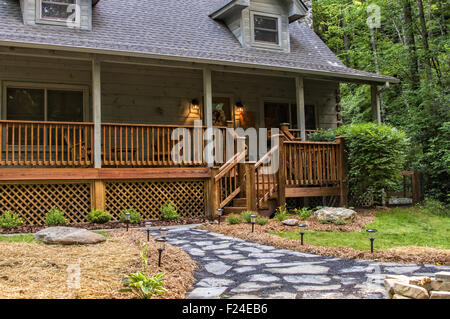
(233,268)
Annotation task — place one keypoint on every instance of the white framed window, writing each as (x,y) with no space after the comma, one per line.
(59,12)
(265,29)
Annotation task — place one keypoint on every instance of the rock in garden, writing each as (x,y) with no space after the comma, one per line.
(68,236)
(443,276)
(400,297)
(290,222)
(410,291)
(440,285)
(440,295)
(335,214)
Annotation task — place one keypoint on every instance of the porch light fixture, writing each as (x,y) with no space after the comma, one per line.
(195,106)
(239,107)
(148,225)
(162,246)
(163,232)
(302,233)
(127,219)
(371,233)
(252,221)
(219,214)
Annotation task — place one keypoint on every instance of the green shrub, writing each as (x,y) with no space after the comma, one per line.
(435,207)
(245,216)
(142,284)
(98,216)
(135,217)
(55,217)
(169,211)
(10,220)
(262,221)
(376,156)
(322,136)
(234,220)
(303,213)
(281,213)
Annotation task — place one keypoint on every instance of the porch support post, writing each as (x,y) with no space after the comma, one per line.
(281,172)
(376,103)
(97,112)
(207,111)
(250,186)
(212,195)
(300,94)
(343,195)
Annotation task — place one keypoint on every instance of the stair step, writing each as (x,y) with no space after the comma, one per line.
(239,202)
(234,210)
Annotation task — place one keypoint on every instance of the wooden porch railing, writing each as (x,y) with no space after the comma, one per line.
(56,144)
(266,181)
(151,145)
(312,163)
(296,133)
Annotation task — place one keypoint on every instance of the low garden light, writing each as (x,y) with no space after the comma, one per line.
(253,221)
(162,246)
(302,232)
(127,219)
(148,225)
(219,214)
(371,233)
(163,232)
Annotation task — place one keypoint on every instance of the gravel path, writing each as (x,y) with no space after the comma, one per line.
(233,268)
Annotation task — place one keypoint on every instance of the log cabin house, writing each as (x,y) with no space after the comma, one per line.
(92,90)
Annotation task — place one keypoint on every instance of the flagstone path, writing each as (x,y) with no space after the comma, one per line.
(233,268)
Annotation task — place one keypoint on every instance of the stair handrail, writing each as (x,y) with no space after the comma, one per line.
(272,185)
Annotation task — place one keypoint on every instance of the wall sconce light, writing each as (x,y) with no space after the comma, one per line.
(239,107)
(195,106)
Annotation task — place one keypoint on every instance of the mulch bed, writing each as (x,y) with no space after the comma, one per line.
(37,271)
(417,255)
(109,225)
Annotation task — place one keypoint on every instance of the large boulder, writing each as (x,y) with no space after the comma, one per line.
(335,215)
(68,236)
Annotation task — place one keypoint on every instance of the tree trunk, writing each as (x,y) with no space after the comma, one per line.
(426,47)
(411,43)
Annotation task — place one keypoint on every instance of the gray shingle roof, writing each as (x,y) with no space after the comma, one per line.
(175,28)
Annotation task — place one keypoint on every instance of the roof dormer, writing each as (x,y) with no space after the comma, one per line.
(66,13)
(261,23)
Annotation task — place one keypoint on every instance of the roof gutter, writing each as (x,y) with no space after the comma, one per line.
(303,71)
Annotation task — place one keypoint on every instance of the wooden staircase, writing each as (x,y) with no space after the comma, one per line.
(238,205)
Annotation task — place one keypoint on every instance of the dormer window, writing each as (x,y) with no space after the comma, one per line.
(265,29)
(62,12)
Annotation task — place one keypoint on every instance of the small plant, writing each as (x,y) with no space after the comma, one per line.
(234,220)
(245,215)
(169,211)
(304,213)
(339,222)
(281,213)
(435,207)
(142,284)
(262,221)
(135,216)
(55,217)
(98,216)
(10,220)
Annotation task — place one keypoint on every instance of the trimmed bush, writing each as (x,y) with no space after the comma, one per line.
(234,220)
(10,220)
(322,136)
(135,217)
(169,212)
(55,217)
(98,216)
(376,156)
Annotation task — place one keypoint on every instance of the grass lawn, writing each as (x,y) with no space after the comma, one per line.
(17,238)
(396,227)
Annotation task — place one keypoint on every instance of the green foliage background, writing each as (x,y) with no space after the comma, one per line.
(420,105)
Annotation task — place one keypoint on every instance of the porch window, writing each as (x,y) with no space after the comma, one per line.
(266,29)
(310,117)
(58,11)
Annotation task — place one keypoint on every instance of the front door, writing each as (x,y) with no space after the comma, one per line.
(275,114)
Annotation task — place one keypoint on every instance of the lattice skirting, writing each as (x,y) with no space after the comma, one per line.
(147,197)
(33,201)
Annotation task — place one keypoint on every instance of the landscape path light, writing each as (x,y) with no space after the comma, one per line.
(148,225)
(127,219)
(219,214)
(371,233)
(162,246)
(253,221)
(302,232)
(163,232)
